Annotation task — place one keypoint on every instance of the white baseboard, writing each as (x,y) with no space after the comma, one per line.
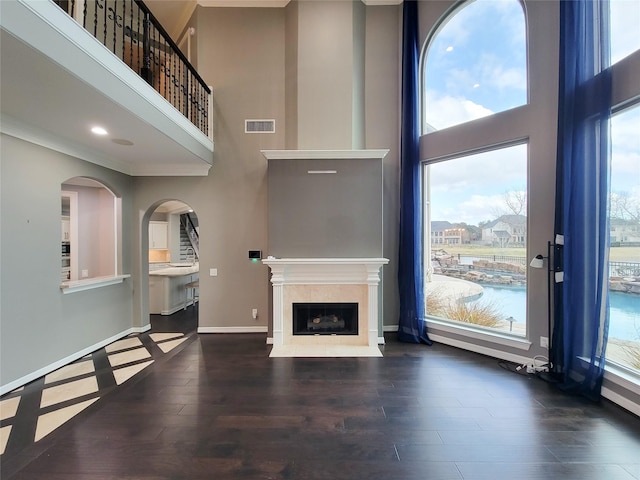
(144,328)
(248,329)
(491,352)
(623,402)
(69,359)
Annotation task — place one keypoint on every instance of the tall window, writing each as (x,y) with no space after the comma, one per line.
(623,348)
(477,216)
(624,255)
(476,212)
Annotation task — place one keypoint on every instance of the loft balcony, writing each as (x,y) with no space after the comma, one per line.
(69,65)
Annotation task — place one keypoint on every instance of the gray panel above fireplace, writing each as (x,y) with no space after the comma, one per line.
(322,213)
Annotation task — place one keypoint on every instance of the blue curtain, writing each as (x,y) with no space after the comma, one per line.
(581,311)
(411,325)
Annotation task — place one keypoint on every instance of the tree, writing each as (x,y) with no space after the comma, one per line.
(625,207)
(514,202)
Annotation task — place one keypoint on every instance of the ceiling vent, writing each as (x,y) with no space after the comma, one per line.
(260,126)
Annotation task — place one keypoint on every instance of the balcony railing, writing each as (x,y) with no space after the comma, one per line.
(131,32)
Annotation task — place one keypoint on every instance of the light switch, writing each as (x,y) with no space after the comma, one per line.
(213,272)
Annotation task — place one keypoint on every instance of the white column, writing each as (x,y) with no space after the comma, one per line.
(277,280)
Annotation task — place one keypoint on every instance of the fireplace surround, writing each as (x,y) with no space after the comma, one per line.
(331,281)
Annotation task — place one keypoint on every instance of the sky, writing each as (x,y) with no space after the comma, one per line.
(472,72)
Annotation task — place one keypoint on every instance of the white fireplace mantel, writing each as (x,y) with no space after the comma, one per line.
(374,154)
(325,280)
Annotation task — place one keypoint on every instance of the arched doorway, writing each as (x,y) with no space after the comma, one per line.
(173,266)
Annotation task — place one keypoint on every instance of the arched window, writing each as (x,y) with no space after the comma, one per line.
(476,64)
(91,218)
(476,181)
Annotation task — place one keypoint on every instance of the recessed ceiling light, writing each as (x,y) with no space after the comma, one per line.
(449,48)
(122,141)
(476,85)
(99,130)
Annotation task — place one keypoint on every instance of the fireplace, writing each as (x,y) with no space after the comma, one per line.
(332,282)
(325,318)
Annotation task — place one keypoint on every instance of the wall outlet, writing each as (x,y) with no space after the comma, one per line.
(254,313)
(85,273)
(213,272)
(544,342)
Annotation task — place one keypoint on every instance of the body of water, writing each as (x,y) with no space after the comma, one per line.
(624,320)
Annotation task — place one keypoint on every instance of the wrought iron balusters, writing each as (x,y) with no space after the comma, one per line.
(130,31)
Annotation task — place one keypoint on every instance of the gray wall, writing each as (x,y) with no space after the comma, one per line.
(38,324)
(382,126)
(325,215)
(241,54)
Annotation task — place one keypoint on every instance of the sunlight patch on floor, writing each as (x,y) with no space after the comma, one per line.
(123,374)
(48,422)
(68,391)
(129,356)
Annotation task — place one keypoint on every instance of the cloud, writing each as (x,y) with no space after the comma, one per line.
(445,111)
(625,155)
(473,210)
(471,189)
(494,71)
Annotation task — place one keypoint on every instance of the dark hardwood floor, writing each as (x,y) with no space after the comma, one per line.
(217,407)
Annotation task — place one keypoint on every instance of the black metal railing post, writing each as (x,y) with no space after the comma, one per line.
(146,73)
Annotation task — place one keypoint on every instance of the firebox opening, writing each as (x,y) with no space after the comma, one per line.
(325,319)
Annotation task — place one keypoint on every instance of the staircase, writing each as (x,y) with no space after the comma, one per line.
(189,238)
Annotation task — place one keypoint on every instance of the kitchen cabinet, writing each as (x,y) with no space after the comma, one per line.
(169,291)
(158,235)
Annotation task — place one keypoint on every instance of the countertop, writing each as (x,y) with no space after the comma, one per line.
(176,270)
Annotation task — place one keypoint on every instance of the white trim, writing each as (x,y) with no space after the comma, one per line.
(41,372)
(380,340)
(373,3)
(378,154)
(618,376)
(177,308)
(621,401)
(333,272)
(91,283)
(244,3)
(491,352)
(325,271)
(247,329)
(269,340)
(142,329)
(493,337)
